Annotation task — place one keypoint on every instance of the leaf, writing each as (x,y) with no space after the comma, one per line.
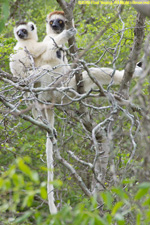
(26,170)
(28,199)
(24,217)
(143,190)
(43,192)
(35,176)
(120,193)
(140,194)
(116,208)
(1,182)
(138,219)
(144,185)
(107,197)
(147,201)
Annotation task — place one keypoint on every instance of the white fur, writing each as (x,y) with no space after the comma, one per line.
(104,76)
(49,57)
(20,61)
(50,187)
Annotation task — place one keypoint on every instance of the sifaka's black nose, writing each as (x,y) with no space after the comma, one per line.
(54,26)
(22,33)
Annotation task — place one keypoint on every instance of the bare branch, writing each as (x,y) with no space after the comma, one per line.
(102,92)
(25,117)
(73,171)
(80,160)
(133,58)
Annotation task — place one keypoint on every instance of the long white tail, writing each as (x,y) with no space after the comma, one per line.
(104,76)
(50,188)
(49,115)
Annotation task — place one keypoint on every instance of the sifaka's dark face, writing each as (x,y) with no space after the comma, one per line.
(22,33)
(25,31)
(57,25)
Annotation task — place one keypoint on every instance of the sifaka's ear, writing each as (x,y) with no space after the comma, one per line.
(32,26)
(139,64)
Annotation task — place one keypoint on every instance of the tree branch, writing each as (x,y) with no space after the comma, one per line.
(133,57)
(73,171)
(25,117)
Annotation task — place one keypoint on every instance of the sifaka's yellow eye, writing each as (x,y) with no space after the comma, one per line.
(51,22)
(60,21)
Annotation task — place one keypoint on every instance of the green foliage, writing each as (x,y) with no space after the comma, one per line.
(4,13)
(23,195)
(6,48)
(19,205)
(19,184)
